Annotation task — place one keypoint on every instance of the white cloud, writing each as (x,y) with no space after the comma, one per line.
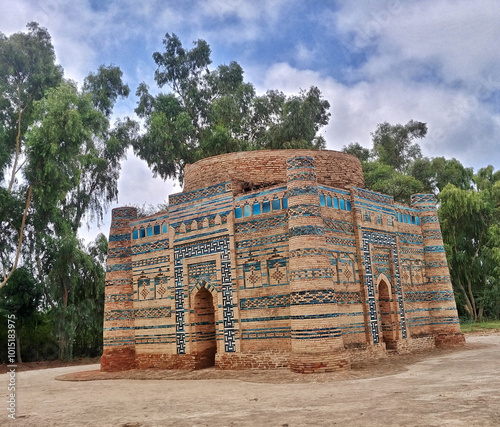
(459,125)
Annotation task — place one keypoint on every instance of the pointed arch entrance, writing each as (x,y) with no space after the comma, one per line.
(387,314)
(204,344)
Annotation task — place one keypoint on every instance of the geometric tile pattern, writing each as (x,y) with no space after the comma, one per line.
(271,301)
(333,225)
(435,264)
(340,242)
(151,261)
(304,210)
(260,224)
(214,190)
(119,237)
(203,272)
(161,288)
(372,196)
(346,266)
(144,289)
(119,282)
(306,230)
(299,176)
(216,245)
(413,239)
(252,274)
(277,271)
(305,190)
(150,247)
(313,296)
(119,252)
(429,296)
(311,273)
(300,162)
(262,241)
(386,239)
(429,219)
(432,234)
(434,249)
(308,252)
(423,198)
(348,297)
(125,213)
(118,267)
(119,297)
(417,274)
(138,313)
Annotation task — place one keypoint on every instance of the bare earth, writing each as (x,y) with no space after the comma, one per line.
(444,388)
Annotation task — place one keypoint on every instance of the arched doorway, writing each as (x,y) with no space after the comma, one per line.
(387,316)
(204,344)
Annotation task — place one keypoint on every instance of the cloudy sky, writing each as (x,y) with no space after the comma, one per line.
(435,61)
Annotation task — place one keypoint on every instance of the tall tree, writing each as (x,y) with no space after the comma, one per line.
(27,70)
(470,222)
(62,156)
(214,111)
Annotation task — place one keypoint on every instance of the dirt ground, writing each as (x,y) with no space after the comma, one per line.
(444,388)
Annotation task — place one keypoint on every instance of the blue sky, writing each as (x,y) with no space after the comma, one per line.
(435,61)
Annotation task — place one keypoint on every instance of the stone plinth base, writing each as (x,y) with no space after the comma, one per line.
(456,339)
(253,360)
(415,345)
(118,359)
(166,361)
(364,352)
(309,363)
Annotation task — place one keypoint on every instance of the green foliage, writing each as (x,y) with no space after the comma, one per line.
(385,179)
(468,326)
(211,112)
(27,70)
(105,87)
(22,298)
(64,161)
(395,165)
(357,150)
(76,283)
(393,144)
(470,222)
(469,209)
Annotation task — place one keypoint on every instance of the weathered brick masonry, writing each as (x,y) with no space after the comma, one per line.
(276,259)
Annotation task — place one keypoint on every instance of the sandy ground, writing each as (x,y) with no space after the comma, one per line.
(445,388)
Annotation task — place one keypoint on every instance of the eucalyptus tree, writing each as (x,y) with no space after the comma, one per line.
(60,157)
(470,222)
(210,111)
(27,70)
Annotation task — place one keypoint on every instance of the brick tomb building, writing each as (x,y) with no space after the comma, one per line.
(274,259)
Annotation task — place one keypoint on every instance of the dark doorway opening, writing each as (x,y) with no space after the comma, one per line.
(387,316)
(204,341)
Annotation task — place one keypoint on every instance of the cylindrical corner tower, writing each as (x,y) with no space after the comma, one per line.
(118,334)
(442,307)
(316,338)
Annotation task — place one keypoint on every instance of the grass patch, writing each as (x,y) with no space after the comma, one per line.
(468,326)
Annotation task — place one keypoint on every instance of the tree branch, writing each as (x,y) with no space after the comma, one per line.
(18,141)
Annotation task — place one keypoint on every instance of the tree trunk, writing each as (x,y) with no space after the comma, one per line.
(18,348)
(20,241)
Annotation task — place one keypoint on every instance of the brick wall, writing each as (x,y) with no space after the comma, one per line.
(333,168)
(311,272)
